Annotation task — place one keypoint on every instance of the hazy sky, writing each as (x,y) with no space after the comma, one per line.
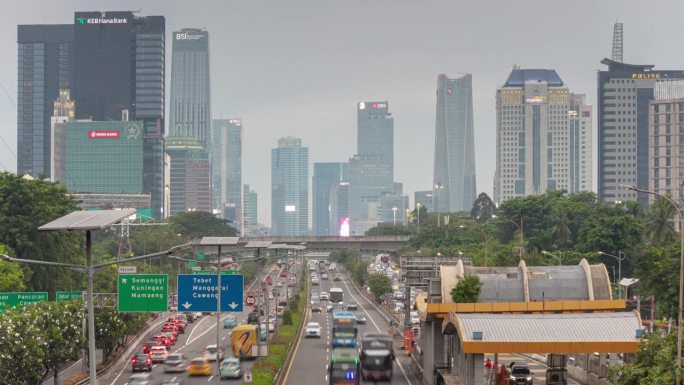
(298,67)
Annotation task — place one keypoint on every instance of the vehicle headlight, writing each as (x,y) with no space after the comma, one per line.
(529,378)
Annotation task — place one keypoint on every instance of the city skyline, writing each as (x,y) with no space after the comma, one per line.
(322,99)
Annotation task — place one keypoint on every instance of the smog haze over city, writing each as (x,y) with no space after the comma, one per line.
(299,68)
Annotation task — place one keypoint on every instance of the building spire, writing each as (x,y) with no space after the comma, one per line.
(617,42)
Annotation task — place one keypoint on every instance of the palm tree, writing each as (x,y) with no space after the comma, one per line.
(561,226)
(659,222)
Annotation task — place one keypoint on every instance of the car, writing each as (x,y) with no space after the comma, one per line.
(335,308)
(139,379)
(210,353)
(170,337)
(149,345)
(316,307)
(520,374)
(314,280)
(352,306)
(175,362)
(315,298)
(337,278)
(230,322)
(253,318)
(313,329)
(270,295)
(231,368)
(141,363)
(170,327)
(324,276)
(263,332)
(158,354)
(271,326)
(360,318)
(325,296)
(160,338)
(199,366)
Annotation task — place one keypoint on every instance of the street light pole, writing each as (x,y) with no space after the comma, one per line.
(681,274)
(91,309)
(418,215)
(438,187)
(218,317)
(485,237)
(394,215)
(620,257)
(520,228)
(559,256)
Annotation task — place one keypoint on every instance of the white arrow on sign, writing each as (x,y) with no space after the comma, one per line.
(233,305)
(187,305)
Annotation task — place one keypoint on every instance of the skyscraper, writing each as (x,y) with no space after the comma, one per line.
(325,177)
(44,67)
(624,94)
(454,168)
(131,84)
(190,105)
(289,188)
(371,170)
(532,140)
(190,175)
(580,123)
(226,168)
(250,209)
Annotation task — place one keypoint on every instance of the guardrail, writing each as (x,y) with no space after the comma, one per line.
(278,378)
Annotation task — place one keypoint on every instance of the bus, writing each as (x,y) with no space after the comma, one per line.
(336,295)
(344,367)
(344,330)
(377,356)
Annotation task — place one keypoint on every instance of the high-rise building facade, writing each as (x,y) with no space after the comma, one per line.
(289,188)
(190,103)
(371,170)
(666,140)
(580,123)
(103,157)
(624,94)
(44,68)
(190,179)
(454,167)
(532,134)
(339,209)
(325,177)
(129,86)
(250,210)
(226,168)
(424,198)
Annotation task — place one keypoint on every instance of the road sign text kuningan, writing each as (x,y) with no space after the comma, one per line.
(143,292)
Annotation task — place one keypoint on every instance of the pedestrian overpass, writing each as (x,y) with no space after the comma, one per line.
(375,243)
(525,310)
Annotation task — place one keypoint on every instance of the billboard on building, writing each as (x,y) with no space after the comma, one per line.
(344,227)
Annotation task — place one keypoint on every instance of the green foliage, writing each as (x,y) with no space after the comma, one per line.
(654,363)
(197,224)
(249,270)
(24,206)
(385,229)
(467,290)
(658,269)
(659,222)
(379,284)
(109,329)
(11,277)
(287,317)
(483,208)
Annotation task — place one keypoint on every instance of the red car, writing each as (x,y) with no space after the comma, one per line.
(180,324)
(170,327)
(149,344)
(165,341)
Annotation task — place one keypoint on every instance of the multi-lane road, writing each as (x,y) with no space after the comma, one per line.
(312,355)
(192,344)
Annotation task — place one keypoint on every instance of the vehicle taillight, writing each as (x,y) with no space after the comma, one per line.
(134,360)
(149,361)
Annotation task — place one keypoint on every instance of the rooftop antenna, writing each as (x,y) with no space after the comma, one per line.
(617,42)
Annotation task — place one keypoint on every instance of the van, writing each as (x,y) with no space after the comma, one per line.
(243,339)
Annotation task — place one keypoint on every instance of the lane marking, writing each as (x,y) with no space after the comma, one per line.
(209,380)
(371,318)
(299,339)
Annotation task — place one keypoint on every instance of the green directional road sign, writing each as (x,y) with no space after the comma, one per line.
(228,271)
(191,264)
(13,299)
(143,293)
(68,295)
(201,256)
(201,272)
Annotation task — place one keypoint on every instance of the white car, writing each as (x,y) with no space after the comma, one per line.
(314,281)
(270,295)
(324,296)
(158,354)
(210,353)
(313,329)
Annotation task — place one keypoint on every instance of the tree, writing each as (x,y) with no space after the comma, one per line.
(60,323)
(22,345)
(24,206)
(659,222)
(384,229)
(654,362)
(11,274)
(658,269)
(483,208)
(248,269)
(467,290)
(197,224)
(413,216)
(109,329)
(379,284)
(561,227)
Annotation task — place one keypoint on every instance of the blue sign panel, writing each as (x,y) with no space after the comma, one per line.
(197,292)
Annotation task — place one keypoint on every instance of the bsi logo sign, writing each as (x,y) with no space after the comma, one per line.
(188,36)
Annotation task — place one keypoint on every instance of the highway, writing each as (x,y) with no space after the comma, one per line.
(192,344)
(312,355)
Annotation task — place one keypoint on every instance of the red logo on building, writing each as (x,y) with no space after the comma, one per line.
(104,134)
